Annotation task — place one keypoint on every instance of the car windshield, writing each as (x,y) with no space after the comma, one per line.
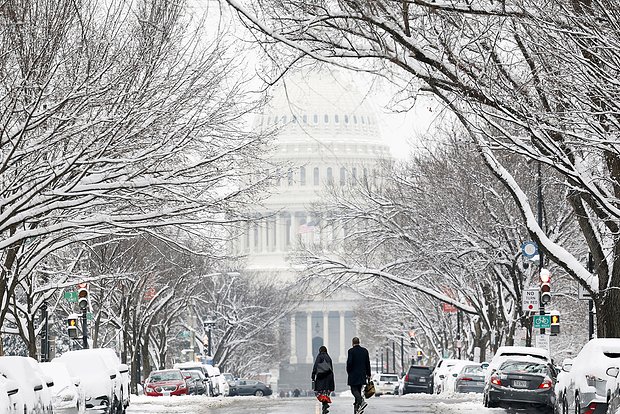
(165,376)
(473,370)
(522,366)
(392,378)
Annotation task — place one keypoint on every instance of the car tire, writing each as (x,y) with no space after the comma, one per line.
(259,393)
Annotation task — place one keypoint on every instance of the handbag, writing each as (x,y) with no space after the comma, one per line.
(369,389)
(323,367)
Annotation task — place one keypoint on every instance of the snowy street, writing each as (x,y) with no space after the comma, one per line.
(415,404)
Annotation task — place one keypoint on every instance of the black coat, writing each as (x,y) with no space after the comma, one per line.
(358,366)
(323,381)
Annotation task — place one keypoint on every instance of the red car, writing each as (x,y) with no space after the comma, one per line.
(165,382)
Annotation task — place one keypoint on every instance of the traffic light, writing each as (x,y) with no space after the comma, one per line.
(419,355)
(555,324)
(545,286)
(83,296)
(72,328)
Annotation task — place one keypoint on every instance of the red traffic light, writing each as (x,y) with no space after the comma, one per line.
(83,297)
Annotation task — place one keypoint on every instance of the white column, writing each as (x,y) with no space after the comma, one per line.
(342,358)
(326,329)
(293,340)
(309,338)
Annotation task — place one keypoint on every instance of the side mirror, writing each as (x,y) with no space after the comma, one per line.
(49,381)
(38,387)
(123,368)
(187,377)
(76,381)
(455,375)
(613,372)
(484,365)
(567,365)
(113,376)
(441,376)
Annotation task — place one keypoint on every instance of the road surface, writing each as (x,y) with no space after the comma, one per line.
(410,404)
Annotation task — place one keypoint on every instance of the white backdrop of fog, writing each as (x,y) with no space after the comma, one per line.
(404,125)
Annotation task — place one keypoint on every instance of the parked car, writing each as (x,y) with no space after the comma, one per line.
(590,378)
(222,383)
(166,382)
(440,373)
(505,353)
(524,380)
(419,378)
(8,398)
(448,384)
(188,366)
(34,395)
(67,394)
(96,379)
(122,379)
(385,383)
(250,387)
(470,379)
(197,384)
(230,379)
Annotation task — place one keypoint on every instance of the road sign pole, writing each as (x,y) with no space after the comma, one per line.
(84,330)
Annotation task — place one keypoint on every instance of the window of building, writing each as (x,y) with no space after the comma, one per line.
(256,243)
(305,119)
(336,119)
(353,175)
(346,119)
(284,119)
(289,176)
(330,176)
(315,118)
(362,119)
(317,176)
(302,175)
(343,176)
(355,119)
(326,119)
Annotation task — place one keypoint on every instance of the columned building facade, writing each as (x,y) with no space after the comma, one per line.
(327,135)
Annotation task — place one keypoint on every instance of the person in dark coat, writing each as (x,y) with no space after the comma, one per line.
(323,378)
(358,370)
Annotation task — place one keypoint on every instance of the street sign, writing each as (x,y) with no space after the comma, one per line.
(531,300)
(583,293)
(542,321)
(542,340)
(449,308)
(529,249)
(71,297)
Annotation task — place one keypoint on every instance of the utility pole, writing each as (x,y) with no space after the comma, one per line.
(45,344)
(394,357)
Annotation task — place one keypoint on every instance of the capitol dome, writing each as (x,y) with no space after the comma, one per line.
(323,108)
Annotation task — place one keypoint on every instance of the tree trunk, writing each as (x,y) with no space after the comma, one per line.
(607,320)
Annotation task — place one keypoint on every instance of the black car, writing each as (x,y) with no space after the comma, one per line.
(419,378)
(250,387)
(522,382)
(197,384)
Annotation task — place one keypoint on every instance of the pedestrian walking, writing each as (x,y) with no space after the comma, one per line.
(323,378)
(358,370)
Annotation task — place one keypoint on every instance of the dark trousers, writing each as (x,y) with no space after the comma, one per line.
(356,390)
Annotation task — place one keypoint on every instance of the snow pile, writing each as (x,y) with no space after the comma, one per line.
(190,403)
(472,407)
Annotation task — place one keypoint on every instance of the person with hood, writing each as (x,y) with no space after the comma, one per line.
(323,378)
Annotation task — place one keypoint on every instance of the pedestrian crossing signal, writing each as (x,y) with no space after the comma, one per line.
(72,328)
(555,324)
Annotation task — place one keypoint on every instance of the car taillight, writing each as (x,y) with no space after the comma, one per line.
(495,380)
(407,377)
(466,379)
(591,408)
(547,383)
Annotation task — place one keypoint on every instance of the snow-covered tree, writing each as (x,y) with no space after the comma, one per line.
(530,78)
(115,119)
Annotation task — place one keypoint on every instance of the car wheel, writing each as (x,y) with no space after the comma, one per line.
(259,393)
